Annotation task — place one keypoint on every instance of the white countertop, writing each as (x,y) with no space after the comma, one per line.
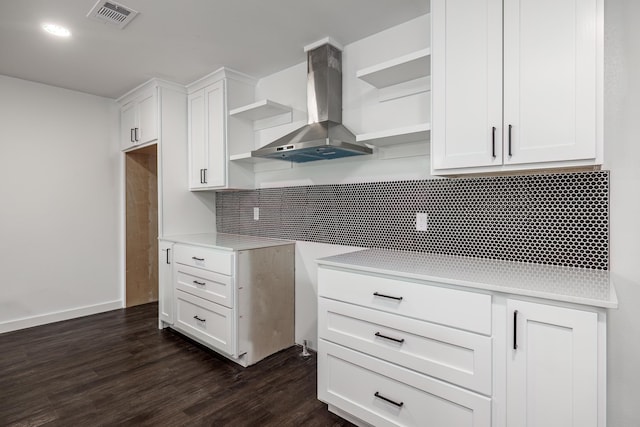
(568,284)
(229,242)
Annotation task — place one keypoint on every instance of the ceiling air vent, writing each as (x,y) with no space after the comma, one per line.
(113,13)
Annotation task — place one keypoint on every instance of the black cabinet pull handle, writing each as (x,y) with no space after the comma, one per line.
(386,399)
(515,330)
(168,262)
(199,319)
(195,258)
(135,132)
(376,294)
(205,176)
(493,141)
(510,140)
(199,283)
(400,340)
(131,135)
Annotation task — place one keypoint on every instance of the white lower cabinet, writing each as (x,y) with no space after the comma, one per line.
(552,368)
(165,284)
(470,357)
(206,321)
(384,394)
(239,303)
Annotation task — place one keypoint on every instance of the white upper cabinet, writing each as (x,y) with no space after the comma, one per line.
(207,151)
(215,135)
(139,120)
(466,83)
(516,84)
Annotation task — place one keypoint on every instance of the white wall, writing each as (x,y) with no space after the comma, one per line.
(363,112)
(59,213)
(622,157)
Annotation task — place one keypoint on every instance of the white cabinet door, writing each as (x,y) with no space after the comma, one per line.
(216,171)
(552,375)
(165,283)
(127,125)
(197,139)
(139,120)
(207,138)
(531,102)
(147,117)
(550,83)
(467,83)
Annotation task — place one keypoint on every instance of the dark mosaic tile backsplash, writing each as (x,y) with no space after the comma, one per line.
(560,219)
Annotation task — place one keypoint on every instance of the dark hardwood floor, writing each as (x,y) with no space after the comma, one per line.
(117,368)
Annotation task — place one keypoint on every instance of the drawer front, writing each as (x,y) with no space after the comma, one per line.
(205,284)
(450,307)
(208,259)
(459,357)
(210,323)
(367,388)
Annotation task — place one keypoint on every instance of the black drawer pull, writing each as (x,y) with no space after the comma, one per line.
(401,340)
(199,283)
(376,294)
(386,399)
(199,319)
(197,259)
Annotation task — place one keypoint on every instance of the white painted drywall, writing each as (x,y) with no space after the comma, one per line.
(622,157)
(60,204)
(363,112)
(307,287)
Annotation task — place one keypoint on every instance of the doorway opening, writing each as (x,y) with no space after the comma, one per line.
(141,177)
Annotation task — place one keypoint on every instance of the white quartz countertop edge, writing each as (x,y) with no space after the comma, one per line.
(612,302)
(226,242)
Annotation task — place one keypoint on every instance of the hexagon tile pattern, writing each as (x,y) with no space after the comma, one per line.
(558,219)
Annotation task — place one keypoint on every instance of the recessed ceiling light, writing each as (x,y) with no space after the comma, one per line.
(56,30)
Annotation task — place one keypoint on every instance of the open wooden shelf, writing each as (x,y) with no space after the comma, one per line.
(399,70)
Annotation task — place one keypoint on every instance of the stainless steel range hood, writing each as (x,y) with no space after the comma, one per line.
(324,137)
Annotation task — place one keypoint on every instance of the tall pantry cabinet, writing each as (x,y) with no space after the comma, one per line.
(517,84)
(178,210)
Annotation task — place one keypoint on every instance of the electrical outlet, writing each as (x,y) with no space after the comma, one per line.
(421,221)
(256,214)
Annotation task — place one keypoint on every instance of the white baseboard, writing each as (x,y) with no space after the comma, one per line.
(42,319)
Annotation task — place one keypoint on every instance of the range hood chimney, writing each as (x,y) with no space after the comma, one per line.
(324,137)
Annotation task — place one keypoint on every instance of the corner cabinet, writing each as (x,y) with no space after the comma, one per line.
(516,85)
(139,120)
(215,135)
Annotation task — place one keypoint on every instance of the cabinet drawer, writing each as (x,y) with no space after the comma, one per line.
(208,322)
(208,259)
(450,307)
(459,357)
(205,284)
(360,384)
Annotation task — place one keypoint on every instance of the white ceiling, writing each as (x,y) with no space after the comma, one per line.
(179,40)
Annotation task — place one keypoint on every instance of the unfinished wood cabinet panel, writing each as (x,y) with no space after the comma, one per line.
(141,226)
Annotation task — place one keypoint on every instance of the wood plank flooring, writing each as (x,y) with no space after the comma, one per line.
(117,368)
